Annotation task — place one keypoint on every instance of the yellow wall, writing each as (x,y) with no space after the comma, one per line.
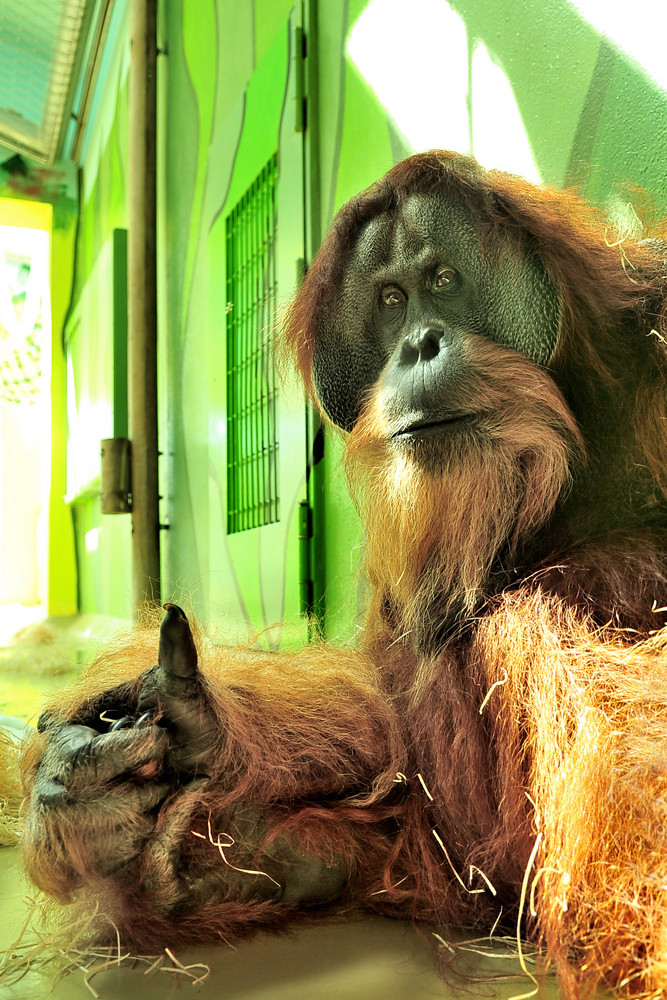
(57,588)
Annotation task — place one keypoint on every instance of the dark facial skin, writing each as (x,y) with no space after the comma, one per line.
(419,281)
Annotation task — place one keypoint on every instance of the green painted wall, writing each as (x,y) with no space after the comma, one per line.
(525,86)
(103,542)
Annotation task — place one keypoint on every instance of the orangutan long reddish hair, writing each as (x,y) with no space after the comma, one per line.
(493,755)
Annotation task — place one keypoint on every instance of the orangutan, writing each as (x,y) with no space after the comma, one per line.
(494,753)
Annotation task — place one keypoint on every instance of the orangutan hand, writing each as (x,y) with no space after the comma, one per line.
(123,779)
(104,775)
(174,694)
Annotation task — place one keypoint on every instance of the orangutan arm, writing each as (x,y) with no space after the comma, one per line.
(119,783)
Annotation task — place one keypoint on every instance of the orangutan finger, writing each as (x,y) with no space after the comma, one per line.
(80,757)
(176,679)
(127,800)
(177,655)
(163,875)
(145,796)
(127,750)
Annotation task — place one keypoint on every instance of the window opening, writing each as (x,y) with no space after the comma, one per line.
(252,405)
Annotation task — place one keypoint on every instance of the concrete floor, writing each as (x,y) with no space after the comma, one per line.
(358,960)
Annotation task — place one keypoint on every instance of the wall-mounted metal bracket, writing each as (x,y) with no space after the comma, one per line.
(116,455)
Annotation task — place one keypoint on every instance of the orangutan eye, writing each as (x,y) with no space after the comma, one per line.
(445,277)
(392,297)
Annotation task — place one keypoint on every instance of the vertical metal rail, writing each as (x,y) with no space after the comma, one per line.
(142,304)
(317,458)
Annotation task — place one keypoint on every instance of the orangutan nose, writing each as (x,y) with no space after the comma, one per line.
(423,345)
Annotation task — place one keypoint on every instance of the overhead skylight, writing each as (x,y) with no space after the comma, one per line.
(39,50)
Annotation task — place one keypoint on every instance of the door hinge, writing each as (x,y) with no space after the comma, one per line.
(306,588)
(299,57)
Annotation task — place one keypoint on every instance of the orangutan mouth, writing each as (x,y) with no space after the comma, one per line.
(428,427)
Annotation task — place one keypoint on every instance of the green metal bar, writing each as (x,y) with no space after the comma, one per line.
(120,387)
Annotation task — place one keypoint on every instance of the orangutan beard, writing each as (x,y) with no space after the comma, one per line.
(440,513)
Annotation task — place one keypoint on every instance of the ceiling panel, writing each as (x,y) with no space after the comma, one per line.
(40,47)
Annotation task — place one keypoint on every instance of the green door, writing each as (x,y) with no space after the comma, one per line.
(258,481)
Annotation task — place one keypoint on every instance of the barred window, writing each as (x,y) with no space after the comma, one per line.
(252,405)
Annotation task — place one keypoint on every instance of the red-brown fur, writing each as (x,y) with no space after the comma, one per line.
(528,742)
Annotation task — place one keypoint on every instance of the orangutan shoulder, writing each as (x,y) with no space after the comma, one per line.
(619,581)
